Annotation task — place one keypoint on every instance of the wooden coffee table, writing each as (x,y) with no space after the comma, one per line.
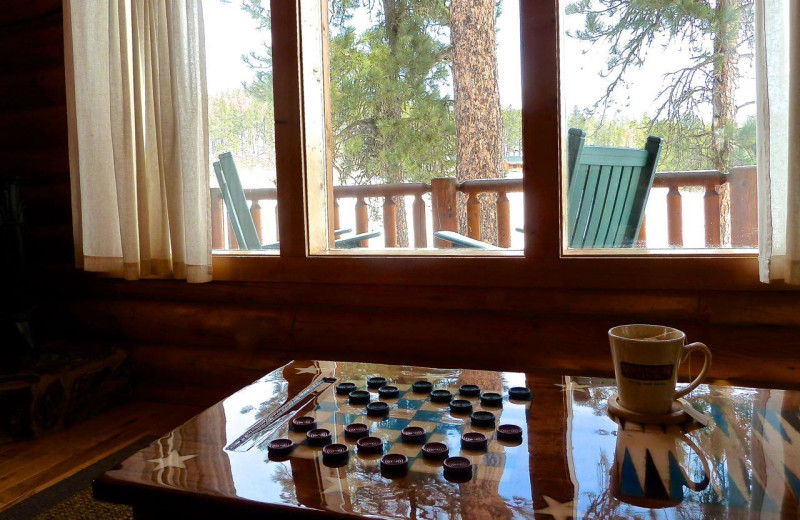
(573,461)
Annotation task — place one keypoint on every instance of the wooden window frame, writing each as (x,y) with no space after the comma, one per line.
(305,236)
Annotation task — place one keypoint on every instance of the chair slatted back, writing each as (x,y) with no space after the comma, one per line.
(233,194)
(608,191)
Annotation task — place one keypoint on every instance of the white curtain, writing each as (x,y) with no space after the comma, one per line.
(778,85)
(138,137)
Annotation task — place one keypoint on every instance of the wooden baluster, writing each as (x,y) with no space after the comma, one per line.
(232,242)
(444,208)
(362,221)
(255,212)
(642,240)
(217,222)
(474,216)
(420,224)
(743,184)
(674,217)
(389,222)
(711,207)
(277,224)
(503,220)
(336,224)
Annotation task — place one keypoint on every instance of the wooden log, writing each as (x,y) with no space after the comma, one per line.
(474,216)
(743,183)
(362,220)
(503,220)
(444,208)
(389,222)
(217,223)
(420,223)
(255,212)
(674,217)
(712,216)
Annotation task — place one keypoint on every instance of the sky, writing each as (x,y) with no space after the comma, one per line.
(230,33)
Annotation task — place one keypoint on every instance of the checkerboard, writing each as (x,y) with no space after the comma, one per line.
(333,412)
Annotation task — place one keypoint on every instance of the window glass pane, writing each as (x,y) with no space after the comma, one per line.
(241,126)
(425,117)
(679,71)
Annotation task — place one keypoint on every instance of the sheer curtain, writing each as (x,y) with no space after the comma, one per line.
(778,82)
(138,137)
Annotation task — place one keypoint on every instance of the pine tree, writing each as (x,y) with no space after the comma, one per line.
(633,27)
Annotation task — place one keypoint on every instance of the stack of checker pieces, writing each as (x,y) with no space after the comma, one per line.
(461,431)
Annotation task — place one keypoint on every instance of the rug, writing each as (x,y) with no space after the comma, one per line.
(71,499)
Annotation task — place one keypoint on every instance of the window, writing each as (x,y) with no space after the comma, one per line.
(681,72)
(243,180)
(306,177)
(422,106)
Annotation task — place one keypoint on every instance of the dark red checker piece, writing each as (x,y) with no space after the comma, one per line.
(509,432)
(335,453)
(412,434)
(370,445)
(474,441)
(394,463)
(318,436)
(280,448)
(458,469)
(303,424)
(356,430)
(435,451)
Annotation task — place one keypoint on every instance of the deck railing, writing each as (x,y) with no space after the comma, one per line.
(444,207)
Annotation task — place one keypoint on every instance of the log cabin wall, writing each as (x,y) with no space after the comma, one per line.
(195,343)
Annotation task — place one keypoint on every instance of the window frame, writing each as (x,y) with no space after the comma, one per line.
(305,239)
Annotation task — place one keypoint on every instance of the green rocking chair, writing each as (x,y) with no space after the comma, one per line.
(608,191)
(242,221)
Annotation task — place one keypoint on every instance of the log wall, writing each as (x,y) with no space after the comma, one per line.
(195,343)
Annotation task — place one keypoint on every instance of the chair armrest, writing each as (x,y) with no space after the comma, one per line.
(461,241)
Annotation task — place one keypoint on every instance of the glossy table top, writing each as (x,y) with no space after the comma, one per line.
(574,461)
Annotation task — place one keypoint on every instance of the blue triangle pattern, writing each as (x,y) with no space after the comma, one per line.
(716,413)
(774,419)
(794,482)
(676,479)
(629,481)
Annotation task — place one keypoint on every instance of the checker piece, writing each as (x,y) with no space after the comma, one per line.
(474,441)
(303,424)
(435,451)
(356,431)
(370,445)
(388,392)
(458,469)
(318,437)
(412,434)
(376,382)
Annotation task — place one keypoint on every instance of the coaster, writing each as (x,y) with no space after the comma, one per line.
(676,416)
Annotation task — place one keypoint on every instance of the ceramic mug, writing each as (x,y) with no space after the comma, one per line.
(649,466)
(646,360)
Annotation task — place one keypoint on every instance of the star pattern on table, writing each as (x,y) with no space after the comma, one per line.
(173,460)
(575,387)
(306,370)
(558,510)
(332,484)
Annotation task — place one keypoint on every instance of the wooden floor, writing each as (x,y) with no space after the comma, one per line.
(31,466)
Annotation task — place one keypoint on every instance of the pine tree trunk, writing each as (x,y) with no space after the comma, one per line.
(391,19)
(726,75)
(479,124)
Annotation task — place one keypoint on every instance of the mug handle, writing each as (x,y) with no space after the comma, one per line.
(691,484)
(687,350)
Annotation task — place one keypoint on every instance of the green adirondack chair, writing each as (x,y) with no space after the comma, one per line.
(242,221)
(608,191)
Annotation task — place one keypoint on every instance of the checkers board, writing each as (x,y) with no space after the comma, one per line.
(573,461)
